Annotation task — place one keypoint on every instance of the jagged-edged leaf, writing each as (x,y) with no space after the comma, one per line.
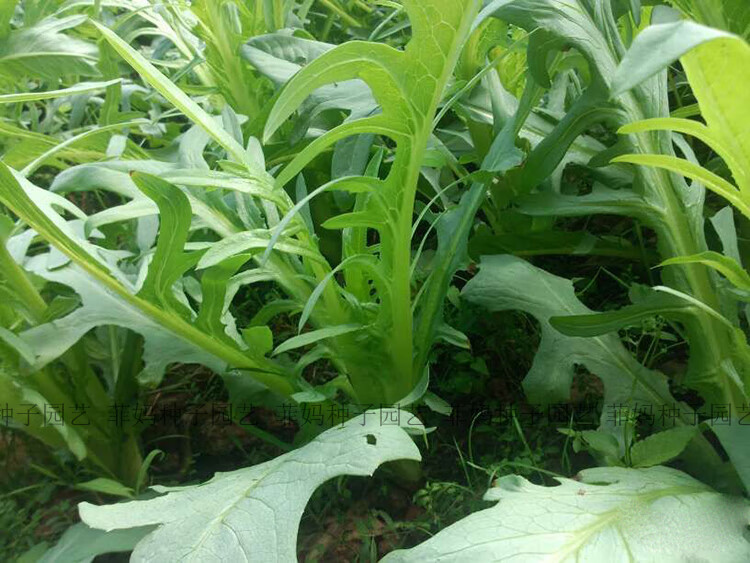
(508,283)
(661,447)
(606,514)
(253,514)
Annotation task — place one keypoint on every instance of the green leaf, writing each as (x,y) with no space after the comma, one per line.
(713,69)
(601,442)
(106,486)
(238,515)
(408,86)
(81,544)
(552,242)
(712,181)
(255,240)
(656,47)
(597,324)
(591,108)
(315,336)
(259,338)
(43,51)
(375,63)
(726,266)
(81,88)
(178,98)
(661,447)
(736,442)
(714,62)
(600,201)
(353,184)
(108,296)
(170,262)
(278,57)
(606,514)
(509,283)
(731,15)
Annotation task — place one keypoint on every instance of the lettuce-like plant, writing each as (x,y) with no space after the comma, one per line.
(371,325)
(369,311)
(693,296)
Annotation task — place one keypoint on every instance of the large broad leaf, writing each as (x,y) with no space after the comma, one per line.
(253,514)
(507,283)
(607,514)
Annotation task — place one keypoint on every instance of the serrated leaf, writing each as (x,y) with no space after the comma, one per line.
(661,447)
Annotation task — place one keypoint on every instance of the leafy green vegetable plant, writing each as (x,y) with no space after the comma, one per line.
(357,179)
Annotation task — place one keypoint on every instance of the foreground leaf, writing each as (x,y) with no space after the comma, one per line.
(611,514)
(253,514)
